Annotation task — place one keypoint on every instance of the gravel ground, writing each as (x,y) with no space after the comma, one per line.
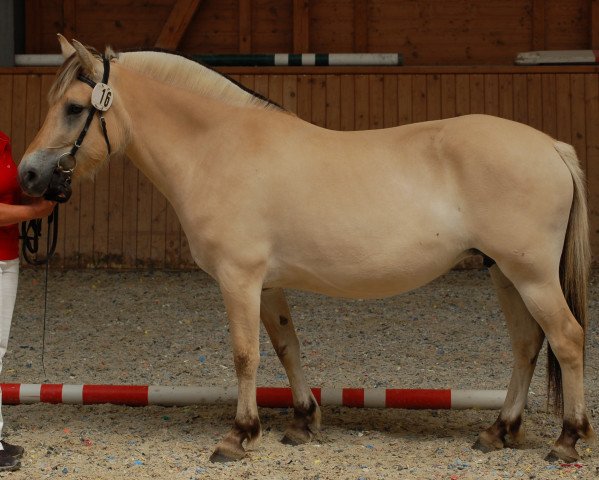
(169,328)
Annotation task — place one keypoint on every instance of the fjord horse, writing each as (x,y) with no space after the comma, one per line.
(269,201)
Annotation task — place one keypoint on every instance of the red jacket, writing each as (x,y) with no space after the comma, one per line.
(9,193)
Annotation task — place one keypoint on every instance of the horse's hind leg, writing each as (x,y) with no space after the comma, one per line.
(275,315)
(526,338)
(543,296)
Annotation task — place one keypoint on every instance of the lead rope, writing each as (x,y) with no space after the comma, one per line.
(48,255)
(30,248)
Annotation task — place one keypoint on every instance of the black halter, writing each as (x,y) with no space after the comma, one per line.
(59,188)
(93,110)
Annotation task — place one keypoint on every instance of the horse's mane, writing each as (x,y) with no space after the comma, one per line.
(171,69)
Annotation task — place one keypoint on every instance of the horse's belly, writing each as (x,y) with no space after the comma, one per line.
(372,275)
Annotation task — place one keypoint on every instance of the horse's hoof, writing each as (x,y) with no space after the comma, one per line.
(296,436)
(225,455)
(487,443)
(564,454)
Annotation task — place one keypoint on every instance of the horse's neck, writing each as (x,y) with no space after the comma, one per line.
(171,130)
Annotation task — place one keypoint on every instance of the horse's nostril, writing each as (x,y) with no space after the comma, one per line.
(30,176)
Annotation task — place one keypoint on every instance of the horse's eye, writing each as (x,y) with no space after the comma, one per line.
(74,109)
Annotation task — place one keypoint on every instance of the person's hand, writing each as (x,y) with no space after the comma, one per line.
(42,207)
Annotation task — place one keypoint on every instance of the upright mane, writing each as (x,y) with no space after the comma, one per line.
(171,69)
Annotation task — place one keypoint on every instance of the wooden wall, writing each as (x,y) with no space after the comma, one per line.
(121,220)
(426,32)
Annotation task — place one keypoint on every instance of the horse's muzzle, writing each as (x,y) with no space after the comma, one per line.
(59,189)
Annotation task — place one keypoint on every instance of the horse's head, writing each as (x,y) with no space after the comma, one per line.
(81,128)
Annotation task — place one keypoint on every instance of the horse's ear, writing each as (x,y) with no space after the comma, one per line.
(65,47)
(88,62)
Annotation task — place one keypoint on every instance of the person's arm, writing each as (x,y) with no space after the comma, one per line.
(38,208)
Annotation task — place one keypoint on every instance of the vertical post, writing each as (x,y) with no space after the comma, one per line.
(301,26)
(594,34)
(33,43)
(360,26)
(245,26)
(538,25)
(7,34)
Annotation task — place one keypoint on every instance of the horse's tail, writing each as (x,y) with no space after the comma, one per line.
(574,266)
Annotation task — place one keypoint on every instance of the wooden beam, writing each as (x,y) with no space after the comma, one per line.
(177,23)
(33,30)
(538,25)
(69,19)
(301,26)
(245,26)
(594,34)
(360,26)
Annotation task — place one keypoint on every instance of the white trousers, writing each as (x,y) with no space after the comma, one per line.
(9,279)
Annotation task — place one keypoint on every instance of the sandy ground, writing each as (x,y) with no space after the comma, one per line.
(169,328)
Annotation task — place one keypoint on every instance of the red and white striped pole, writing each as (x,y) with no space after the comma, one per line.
(274,397)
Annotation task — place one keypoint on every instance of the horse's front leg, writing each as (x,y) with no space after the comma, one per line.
(242,301)
(277,321)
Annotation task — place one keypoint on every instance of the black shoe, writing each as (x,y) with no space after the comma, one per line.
(8,462)
(12,450)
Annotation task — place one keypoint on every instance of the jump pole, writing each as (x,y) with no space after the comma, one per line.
(272,397)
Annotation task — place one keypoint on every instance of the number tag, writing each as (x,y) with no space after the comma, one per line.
(102,97)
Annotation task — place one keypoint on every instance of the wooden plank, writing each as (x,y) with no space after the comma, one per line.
(477,93)
(158,242)
(69,19)
(563,106)
(261,85)
(433,97)
(47,81)
(304,97)
(390,107)
(245,26)
(247,81)
(333,103)
(172,238)
(538,25)
(101,202)
(6,99)
(361,102)
(594,34)
(377,101)
(86,224)
(549,104)
(591,85)
(448,96)
(404,96)
(275,89)
(319,101)
(33,22)
(32,115)
(492,94)
(19,109)
(506,96)
(301,26)
(535,100)
(419,107)
(462,94)
(179,19)
(579,131)
(347,105)
(360,26)
(290,93)
(129,226)
(520,98)
(71,216)
(144,221)
(116,187)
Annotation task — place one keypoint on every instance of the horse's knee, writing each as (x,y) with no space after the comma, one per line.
(246,362)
